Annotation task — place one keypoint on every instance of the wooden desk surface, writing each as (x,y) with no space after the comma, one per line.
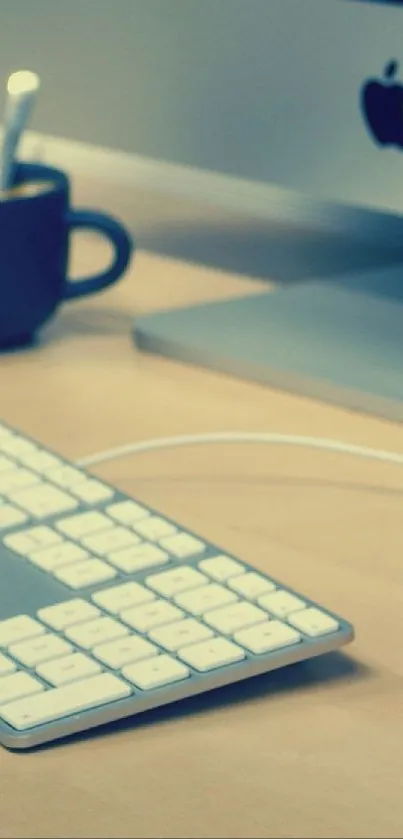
(314,751)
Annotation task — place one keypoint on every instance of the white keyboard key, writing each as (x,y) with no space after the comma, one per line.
(41,461)
(221,568)
(5,432)
(70,668)
(44,500)
(127,512)
(169,583)
(180,634)
(108,541)
(44,648)
(92,491)
(98,631)
(281,603)
(65,553)
(6,464)
(124,651)
(158,613)
(67,614)
(203,599)
(313,622)
(86,573)
(233,617)
(211,654)
(83,524)
(19,628)
(266,637)
(6,666)
(66,476)
(135,559)
(32,539)
(182,545)
(251,585)
(156,672)
(16,686)
(154,528)
(124,596)
(10,516)
(16,479)
(64,701)
(17,446)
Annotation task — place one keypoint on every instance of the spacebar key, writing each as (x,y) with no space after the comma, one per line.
(61,702)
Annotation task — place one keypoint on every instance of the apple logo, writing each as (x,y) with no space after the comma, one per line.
(382,107)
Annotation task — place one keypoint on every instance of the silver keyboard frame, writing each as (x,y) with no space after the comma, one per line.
(141,701)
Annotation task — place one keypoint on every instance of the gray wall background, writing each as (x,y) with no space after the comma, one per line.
(262,89)
(191,81)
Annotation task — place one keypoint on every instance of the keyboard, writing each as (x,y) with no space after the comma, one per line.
(109,608)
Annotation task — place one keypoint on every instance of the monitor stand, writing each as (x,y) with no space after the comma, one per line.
(339,341)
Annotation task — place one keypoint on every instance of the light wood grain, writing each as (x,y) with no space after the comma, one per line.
(314,751)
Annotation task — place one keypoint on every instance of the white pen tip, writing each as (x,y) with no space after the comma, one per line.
(24,81)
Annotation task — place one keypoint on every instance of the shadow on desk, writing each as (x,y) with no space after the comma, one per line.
(89,321)
(303,676)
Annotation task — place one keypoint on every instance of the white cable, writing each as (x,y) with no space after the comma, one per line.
(239,437)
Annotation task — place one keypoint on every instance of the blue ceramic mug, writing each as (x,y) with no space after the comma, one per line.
(35,225)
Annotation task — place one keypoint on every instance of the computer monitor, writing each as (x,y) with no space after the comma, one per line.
(323,52)
(333,157)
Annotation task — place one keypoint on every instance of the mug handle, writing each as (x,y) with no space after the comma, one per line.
(123,247)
